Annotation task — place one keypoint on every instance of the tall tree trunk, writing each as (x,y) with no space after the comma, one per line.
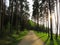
(11,15)
(2,18)
(50,20)
(17,16)
(57,8)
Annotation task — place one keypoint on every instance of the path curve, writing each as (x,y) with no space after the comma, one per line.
(31,39)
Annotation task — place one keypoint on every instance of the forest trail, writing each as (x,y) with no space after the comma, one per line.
(31,39)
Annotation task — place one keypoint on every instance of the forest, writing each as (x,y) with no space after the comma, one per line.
(17,22)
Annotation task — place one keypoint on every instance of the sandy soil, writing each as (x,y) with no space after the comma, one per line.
(31,39)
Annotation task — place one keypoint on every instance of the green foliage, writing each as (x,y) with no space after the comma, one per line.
(41,35)
(33,26)
(14,38)
(20,35)
(46,39)
(32,23)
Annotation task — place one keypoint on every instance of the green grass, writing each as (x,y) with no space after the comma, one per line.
(14,39)
(32,23)
(44,37)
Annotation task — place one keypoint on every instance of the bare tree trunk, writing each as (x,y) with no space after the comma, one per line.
(2,18)
(17,16)
(48,23)
(57,8)
(51,21)
(11,15)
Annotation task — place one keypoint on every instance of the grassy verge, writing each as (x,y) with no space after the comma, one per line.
(44,37)
(14,39)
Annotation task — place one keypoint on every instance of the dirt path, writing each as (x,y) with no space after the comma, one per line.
(31,39)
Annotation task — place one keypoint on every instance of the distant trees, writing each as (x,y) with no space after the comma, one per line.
(14,17)
(44,8)
(36,11)
(23,13)
(2,16)
(20,12)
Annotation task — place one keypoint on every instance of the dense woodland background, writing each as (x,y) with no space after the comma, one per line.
(15,18)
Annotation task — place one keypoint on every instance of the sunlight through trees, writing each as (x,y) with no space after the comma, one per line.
(41,16)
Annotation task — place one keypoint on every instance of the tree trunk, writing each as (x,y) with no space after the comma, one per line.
(50,21)
(57,8)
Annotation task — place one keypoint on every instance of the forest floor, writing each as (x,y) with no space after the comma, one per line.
(31,39)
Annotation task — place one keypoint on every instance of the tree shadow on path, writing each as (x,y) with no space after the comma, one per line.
(49,42)
(46,41)
(58,41)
